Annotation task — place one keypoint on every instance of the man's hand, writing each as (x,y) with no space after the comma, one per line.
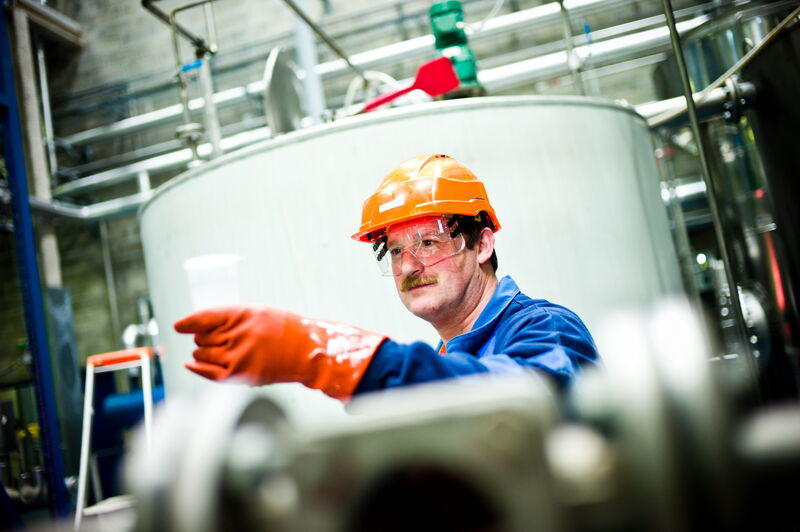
(264,345)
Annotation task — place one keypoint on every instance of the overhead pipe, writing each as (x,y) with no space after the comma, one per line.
(123,159)
(602,53)
(673,111)
(499,78)
(91,213)
(160,163)
(197,42)
(369,60)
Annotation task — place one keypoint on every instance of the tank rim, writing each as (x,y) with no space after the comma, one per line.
(447,106)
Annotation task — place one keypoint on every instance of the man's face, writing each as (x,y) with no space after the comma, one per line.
(433,291)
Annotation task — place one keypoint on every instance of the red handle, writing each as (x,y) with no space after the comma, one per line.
(385,98)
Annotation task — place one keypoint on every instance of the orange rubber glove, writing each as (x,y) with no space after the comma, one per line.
(264,345)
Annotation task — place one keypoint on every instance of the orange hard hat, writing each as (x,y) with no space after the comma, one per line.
(427,185)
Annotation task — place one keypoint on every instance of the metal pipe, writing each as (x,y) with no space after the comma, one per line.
(167,161)
(672,112)
(210,115)
(306,50)
(188,133)
(152,150)
(111,285)
(23,53)
(711,192)
(743,62)
(144,181)
(91,213)
(196,41)
(603,53)
(325,38)
(572,59)
(370,59)
(650,110)
(211,27)
(499,78)
(44,95)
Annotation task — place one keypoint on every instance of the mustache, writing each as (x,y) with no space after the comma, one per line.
(413,281)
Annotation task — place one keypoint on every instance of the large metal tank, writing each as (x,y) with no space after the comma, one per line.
(573,181)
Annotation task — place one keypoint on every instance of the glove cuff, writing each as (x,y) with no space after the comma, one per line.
(340,370)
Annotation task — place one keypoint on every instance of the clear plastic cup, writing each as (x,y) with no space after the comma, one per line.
(213,280)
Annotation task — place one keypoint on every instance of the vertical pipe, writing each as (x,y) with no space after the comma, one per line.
(306,48)
(44,93)
(94,473)
(211,27)
(744,344)
(30,284)
(111,285)
(143,180)
(40,177)
(183,90)
(210,115)
(566,26)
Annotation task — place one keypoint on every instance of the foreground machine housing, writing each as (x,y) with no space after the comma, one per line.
(653,442)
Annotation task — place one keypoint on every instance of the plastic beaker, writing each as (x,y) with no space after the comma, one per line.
(213,280)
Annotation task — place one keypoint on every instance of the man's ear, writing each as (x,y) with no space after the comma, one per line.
(485,245)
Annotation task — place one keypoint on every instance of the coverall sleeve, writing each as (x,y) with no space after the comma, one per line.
(545,341)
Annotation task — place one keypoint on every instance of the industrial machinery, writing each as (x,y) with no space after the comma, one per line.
(655,441)
(674,434)
(539,157)
(754,49)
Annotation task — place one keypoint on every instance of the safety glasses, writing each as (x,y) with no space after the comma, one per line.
(426,242)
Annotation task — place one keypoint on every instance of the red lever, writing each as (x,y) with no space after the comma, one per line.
(434,77)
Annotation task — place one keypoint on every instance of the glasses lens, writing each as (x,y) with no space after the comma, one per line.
(382,257)
(424,244)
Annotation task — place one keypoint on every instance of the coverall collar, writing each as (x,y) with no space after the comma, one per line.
(481,332)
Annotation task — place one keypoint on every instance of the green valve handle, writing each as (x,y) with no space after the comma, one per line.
(447,25)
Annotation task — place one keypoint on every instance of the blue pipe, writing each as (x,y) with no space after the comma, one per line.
(25,240)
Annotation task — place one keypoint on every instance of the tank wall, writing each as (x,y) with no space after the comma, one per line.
(573,182)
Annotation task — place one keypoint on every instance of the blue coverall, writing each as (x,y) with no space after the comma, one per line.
(514,333)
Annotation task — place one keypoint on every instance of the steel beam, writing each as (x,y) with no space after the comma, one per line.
(25,241)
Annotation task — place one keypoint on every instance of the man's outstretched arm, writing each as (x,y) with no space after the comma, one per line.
(551,343)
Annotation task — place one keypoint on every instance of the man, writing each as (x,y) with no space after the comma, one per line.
(431,227)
